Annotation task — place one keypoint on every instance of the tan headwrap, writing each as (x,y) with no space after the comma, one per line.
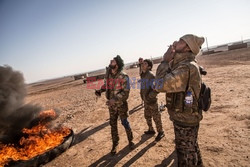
(193,42)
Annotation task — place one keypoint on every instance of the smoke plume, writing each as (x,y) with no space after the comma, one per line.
(14,114)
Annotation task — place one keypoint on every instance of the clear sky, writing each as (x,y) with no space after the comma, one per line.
(52,38)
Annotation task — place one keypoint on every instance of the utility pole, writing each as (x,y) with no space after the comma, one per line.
(207,44)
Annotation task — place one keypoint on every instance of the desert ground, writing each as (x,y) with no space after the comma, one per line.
(224,135)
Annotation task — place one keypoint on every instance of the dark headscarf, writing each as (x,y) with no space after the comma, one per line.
(119,62)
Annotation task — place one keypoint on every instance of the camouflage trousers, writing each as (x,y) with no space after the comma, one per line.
(187,147)
(121,112)
(151,111)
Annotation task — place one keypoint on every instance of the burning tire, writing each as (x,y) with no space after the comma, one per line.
(28,136)
(45,157)
(38,145)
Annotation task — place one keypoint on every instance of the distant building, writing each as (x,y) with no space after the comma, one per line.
(226,47)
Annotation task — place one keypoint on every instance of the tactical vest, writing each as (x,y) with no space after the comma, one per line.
(147,80)
(178,111)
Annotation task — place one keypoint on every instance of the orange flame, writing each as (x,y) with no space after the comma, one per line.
(48,113)
(40,139)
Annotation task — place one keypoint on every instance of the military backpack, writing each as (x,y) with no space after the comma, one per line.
(205,94)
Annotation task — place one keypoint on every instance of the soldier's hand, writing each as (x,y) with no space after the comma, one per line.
(152,94)
(168,56)
(98,93)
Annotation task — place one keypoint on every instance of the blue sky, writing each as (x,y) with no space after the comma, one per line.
(52,38)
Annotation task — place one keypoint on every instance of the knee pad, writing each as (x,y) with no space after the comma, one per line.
(125,123)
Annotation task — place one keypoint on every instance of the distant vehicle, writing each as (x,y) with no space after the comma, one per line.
(80,76)
(134,65)
(96,77)
(77,77)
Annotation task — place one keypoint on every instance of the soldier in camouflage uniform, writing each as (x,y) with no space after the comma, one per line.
(140,62)
(117,93)
(148,95)
(183,76)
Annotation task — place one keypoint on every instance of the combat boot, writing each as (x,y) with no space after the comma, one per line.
(149,132)
(130,138)
(114,148)
(131,145)
(159,136)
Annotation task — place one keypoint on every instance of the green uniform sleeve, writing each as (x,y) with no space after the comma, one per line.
(174,81)
(152,93)
(162,69)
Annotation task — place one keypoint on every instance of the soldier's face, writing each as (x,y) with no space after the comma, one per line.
(140,61)
(113,62)
(113,65)
(180,46)
(145,66)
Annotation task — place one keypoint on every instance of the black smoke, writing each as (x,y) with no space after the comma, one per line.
(14,113)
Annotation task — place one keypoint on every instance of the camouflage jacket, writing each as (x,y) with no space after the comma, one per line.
(116,87)
(147,93)
(162,70)
(183,76)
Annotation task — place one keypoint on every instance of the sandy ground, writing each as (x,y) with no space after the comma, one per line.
(224,131)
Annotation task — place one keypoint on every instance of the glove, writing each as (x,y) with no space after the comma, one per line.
(98,93)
